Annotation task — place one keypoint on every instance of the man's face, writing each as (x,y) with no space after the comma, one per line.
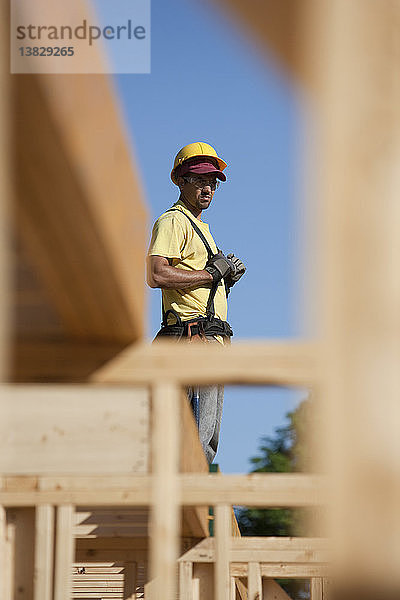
(198,190)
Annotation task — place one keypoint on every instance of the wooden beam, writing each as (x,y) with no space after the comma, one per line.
(275,27)
(282,570)
(64,552)
(264,550)
(80,211)
(59,360)
(316,588)
(203,576)
(273,363)
(44,548)
(74,429)
(355,55)
(264,490)
(254,582)
(185,581)
(4,566)
(192,460)
(223,533)
(130,578)
(6,197)
(23,524)
(165,489)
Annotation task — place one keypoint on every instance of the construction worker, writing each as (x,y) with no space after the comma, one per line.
(194,275)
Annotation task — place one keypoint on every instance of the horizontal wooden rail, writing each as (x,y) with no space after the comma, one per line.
(263,550)
(264,363)
(264,490)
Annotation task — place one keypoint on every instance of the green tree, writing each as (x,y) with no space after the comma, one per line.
(285,452)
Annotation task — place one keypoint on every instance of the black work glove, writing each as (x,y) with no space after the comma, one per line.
(234,276)
(219,266)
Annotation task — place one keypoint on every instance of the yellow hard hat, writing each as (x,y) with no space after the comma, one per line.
(193,150)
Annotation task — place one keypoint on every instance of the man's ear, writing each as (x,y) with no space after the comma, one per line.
(180,182)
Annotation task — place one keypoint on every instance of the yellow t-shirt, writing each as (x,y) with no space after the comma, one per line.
(174,237)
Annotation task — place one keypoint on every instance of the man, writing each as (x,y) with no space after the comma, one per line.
(195,277)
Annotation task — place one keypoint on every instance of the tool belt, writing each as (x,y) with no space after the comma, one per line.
(200,326)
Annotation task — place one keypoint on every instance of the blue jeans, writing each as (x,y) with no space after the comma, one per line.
(211,399)
(210,404)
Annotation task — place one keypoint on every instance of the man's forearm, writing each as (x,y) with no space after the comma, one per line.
(170,278)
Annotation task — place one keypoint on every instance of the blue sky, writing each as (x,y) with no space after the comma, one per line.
(209,83)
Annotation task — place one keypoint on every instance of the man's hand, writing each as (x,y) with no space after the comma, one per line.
(220,266)
(234,276)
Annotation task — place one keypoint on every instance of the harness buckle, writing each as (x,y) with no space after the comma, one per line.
(195,329)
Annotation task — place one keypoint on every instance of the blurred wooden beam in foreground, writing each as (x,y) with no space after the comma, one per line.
(275,26)
(273,363)
(80,212)
(355,56)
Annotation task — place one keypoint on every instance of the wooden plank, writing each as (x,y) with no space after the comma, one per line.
(282,570)
(271,362)
(232,589)
(44,548)
(89,252)
(203,576)
(64,552)
(316,588)
(119,555)
(10,561)
(23,524)
(165,505)
(130,577)
(196,589)
(192,460)
(6,196)
(59,360)
(4,566)
(185,581)
(267,489)
(271,489)
(74,429)
(223,533)
(264,549)
(354,53)
(271,590)
(254,583)
(275,27)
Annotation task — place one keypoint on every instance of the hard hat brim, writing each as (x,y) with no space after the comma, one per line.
(218,172)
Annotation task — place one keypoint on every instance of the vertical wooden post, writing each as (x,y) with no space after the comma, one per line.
(355,54)
(196,589)
(130,577)
(64,555)
(5,186)
(22,521)
(254,581)
(223,532)
(316,587)
(185,581)
(10,554)
(232,591)
(3,553)
(44,549)
(165,511)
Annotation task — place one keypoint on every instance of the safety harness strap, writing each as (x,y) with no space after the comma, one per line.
(210,310)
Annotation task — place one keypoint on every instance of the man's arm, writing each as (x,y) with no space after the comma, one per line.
(160,274)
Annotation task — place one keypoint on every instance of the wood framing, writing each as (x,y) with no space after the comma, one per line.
(73,429)
(273,363)
(266,490)
(5,193)
(80,210)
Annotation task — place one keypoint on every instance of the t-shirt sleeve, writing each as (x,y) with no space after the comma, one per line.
(168,238)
